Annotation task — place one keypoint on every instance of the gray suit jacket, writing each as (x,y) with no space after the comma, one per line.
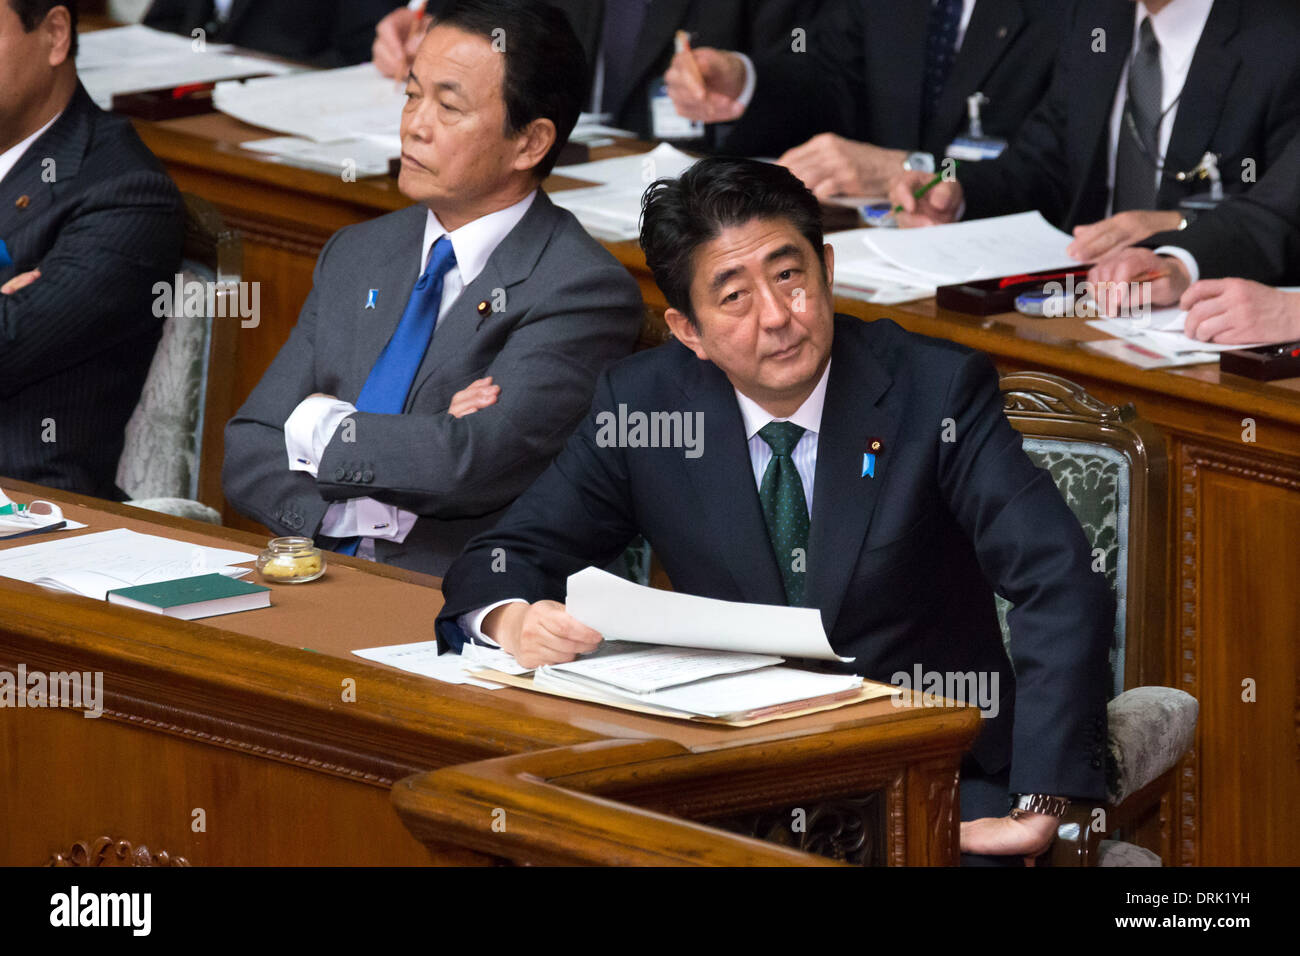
(569,309)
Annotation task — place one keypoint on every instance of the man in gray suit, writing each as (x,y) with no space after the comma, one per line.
(402,416)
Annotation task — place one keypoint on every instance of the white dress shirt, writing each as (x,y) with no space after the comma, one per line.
(1178,29)
(312,424)
(9,158)
(808,416)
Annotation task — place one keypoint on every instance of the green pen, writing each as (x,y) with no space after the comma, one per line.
(938,178)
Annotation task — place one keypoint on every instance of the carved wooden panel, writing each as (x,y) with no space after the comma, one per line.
(107,851)
(849,829)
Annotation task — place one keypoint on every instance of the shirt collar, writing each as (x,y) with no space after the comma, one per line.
(808,416)
(1177,27)
(475,241)
(9,158)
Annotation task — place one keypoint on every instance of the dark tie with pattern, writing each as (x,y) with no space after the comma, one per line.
(1137,155)
(940,51)
(623,22)
(394,371)
(785,510)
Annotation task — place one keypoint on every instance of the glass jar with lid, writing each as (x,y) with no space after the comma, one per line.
(291,561)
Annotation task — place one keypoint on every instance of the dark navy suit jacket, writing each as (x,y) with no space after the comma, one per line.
(103,223)
(902,565)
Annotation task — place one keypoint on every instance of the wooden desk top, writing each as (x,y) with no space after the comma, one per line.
(307,635)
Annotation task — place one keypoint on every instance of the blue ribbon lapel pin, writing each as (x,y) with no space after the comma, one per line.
(869,458)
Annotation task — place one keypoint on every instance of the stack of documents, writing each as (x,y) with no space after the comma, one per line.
(612,210)
(893,262)
(677,655)
(94,564)
(135,59)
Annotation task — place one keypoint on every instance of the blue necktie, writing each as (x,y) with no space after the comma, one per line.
(388,383)
(940,52)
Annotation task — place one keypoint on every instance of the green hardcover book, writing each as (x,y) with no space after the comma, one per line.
(204,595)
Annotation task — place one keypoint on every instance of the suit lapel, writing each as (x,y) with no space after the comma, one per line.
(511,262)
(393,282)
(65,144)
(1204,94)
(843,499)
(724,480)
(1088,138)
(895,53)
(993,26)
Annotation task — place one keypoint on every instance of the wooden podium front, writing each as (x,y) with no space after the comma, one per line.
(258,738)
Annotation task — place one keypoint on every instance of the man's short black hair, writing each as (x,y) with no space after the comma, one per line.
(545,68)
(32,13)
(680,215)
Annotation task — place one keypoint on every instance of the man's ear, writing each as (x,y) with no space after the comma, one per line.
(534,143)
(829,251)
(57,32)
(684,331)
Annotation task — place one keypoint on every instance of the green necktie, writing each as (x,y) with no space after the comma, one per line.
(784,507)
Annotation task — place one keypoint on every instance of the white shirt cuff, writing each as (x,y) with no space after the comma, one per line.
(1185,257)
(309,428)
(472,621)
(751,80)
(367,518)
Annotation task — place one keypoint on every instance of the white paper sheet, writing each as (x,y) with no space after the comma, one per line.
(862,273)
(367,156)
(979,249)
(321,105)
(647,669)
(665,161)
(119,558)
(423,658)
(623,611)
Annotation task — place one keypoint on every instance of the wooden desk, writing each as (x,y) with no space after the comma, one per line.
(233,741)
(1233,445)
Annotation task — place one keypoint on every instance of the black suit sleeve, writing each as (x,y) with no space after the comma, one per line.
(578,513)
(124,237)
(800,93)
(1030,546)
(1255,235)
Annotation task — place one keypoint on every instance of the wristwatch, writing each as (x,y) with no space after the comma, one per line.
(922,161)
(1039,803)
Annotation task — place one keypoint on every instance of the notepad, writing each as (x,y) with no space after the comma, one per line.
(203,595)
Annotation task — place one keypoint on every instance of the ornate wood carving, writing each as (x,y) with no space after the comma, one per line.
(941,810)
(850,829)
(106,851)
(1041,393)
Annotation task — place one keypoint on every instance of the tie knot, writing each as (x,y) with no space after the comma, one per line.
(1147,41)
(781,436)
(441,259)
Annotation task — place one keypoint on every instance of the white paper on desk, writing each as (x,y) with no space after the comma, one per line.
(862,273)
(159,71)
(131,44)
(423,658)
(611,212)
(978,249)
(663,162)
(365,156)
(321,105)
(1171,342)
(105,560)
(643,670)
(623,611)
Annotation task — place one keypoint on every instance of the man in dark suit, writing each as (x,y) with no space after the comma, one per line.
(874,82)
(402,416)
(89,223)
(1142,93)
(847,466)
(321,32)
(1222,268)
(629,44)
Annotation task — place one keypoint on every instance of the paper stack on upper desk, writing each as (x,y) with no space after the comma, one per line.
(612,210)
(677,655)
(94,564)
(136,58)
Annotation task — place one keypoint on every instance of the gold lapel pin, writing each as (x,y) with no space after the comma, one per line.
(484,308)
(22,202)
(875,444)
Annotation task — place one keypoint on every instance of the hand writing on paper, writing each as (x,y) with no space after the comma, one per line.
(1095,240)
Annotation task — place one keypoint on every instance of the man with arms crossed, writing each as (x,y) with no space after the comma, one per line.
(403,415)
(903,550)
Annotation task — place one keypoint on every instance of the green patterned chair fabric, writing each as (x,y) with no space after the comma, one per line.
(1094,480)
